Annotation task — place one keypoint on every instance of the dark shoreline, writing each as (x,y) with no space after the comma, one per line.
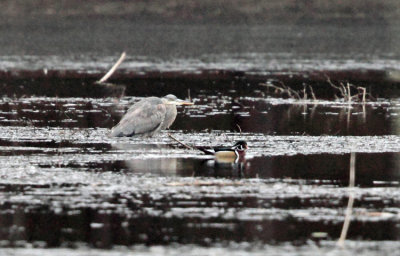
(73,83)
(220,11)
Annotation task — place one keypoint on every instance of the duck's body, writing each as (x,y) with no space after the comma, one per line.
(227,154)
(227,161)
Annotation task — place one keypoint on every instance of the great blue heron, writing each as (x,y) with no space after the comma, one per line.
(148,116)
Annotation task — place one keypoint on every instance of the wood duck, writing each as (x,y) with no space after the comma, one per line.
(232,154)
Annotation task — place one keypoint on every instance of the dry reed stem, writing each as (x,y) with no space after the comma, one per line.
(349,209)
(344,90)
(283,89)
(335,86)
(312,93)
(240,129)
(180,142)
(112,70)
(348,92)
(364,92)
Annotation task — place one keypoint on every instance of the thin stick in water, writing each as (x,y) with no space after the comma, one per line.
(112,70)
(240,129)
(312,93)
(180,142)
(364,92)
(349,92)
(349,209)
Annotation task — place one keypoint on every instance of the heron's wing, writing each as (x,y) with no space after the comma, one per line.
(143,103)
(143,117)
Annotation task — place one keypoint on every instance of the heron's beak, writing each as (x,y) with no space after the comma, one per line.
(181,102)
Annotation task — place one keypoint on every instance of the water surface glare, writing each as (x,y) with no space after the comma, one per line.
(66,183)
(106,191)
(225,113)
(67,188)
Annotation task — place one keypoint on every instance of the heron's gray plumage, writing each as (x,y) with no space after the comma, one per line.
(147,117)
(171,112)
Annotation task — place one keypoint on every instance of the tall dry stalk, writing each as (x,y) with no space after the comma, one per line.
(112,70)
(349,209)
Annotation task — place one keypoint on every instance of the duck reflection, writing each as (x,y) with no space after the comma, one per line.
(216,168)
(223,163)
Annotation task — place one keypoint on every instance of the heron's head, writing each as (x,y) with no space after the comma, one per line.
(240,145)
(173,100)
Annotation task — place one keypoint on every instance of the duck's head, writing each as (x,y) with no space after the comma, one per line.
(240,145)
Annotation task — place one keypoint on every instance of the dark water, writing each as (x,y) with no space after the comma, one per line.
(219,112)
(64,183)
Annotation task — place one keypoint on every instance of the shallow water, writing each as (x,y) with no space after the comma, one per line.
(61,170)
(66,185)
(222,112)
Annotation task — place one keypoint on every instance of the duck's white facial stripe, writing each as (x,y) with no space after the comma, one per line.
(238,147)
